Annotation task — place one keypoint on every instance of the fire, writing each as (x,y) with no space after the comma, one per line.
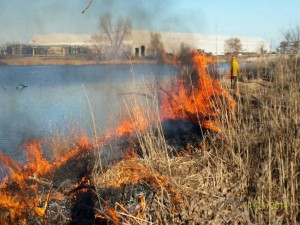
(35,161)
(113,215)
(21,196)
(197,98)
(132,171)
(135,121)
(140,210)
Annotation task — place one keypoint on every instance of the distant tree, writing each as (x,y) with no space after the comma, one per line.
(291,42)
(185,54)
(98,46)
(157,46)
(115,33)
(2,49)
(233,46)
(283,46)
(261,49)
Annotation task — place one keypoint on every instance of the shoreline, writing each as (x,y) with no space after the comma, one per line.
(65,61)
(72,61)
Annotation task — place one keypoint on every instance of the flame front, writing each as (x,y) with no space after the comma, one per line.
(20,196)
(197,98)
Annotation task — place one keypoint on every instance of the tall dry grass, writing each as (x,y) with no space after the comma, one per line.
(246,174)
(58,140)
(265,139)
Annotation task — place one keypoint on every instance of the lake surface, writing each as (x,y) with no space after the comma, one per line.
(55,97)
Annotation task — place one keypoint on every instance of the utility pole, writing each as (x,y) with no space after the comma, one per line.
(216,29)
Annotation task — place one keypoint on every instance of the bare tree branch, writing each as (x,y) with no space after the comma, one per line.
(116,33)
(157,46)
(291,42)
(88,5)
(105,24)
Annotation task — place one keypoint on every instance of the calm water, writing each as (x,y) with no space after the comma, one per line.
(55,96)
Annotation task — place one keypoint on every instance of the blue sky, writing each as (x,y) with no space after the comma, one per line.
(20,19)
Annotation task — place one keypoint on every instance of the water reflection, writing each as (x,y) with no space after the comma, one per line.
(55,95)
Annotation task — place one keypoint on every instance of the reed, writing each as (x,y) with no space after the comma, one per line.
(246,174)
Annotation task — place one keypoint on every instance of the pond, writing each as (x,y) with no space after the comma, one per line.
(55,96)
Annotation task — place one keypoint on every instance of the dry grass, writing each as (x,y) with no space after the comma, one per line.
(25,61)
(59,140)
(248,173)
(265,138)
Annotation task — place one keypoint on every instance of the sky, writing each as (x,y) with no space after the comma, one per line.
(269,19)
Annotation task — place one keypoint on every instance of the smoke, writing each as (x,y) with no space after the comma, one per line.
(168,15)
(20,20)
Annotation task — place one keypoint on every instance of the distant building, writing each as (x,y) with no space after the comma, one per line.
(16,49)
(137,44)
(213,44)
(61,44)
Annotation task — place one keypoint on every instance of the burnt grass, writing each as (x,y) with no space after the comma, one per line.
(178,135)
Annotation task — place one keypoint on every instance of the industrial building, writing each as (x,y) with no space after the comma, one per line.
(213,44)
(137,44)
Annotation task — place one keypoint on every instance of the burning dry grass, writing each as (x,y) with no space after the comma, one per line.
(249,173)
(35,192)
(200,103)
(245,173)
(197,97)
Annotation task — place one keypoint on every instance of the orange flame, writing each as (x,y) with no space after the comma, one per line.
(200,101)
(197,99)
(20,197)
(135,121)
(140,210)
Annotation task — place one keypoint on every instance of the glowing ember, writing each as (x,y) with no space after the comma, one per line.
(132,171)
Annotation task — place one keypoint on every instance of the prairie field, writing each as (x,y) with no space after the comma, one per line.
(235,162)
(248,173)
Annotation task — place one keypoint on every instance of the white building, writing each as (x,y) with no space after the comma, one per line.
(139,42)
(213,44)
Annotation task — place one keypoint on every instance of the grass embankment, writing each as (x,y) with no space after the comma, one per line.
(247,174)
(32,61)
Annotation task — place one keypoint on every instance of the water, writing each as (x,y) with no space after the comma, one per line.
(223,67)
(55,96)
